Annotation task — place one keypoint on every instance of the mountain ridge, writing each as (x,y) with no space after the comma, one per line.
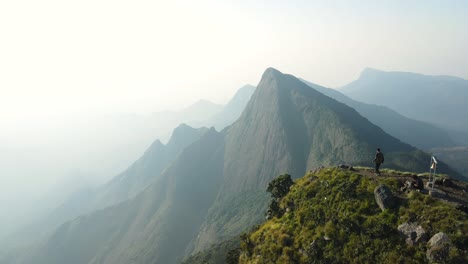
(123,186)
(370,71)
(233,109)
(433,99)
(341,222)
(250,125)
(215,188)
(417,133)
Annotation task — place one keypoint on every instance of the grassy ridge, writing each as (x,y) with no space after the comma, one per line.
(332,217)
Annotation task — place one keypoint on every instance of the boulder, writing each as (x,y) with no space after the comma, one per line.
(384,197)
(343,166)
(313,178)
(346,167)
(411,184)
(463,208)
(438,181)
(412,233)
(317,170)
(407,186)
(448,183)
(417,182)
(424,191)
(438,248)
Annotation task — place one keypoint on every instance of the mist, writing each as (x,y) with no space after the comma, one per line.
(44,164)
(86,87)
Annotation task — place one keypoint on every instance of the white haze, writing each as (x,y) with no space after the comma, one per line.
(80,79)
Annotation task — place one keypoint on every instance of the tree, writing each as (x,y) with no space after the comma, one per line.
(279,187)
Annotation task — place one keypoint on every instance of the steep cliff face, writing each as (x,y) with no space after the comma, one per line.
(289,127)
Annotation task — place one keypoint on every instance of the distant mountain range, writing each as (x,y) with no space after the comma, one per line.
(124,186)
(231,111)
(117,141)
(417,133)
(215,187)
(84,151)
(438,100)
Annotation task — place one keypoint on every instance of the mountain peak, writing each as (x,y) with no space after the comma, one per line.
(203,102)
(203,105)
(370,69)
(247,87)
(181,130)
(242,95)
(156,145)
(233,109)
(183,126)
(184,134)
(271,80)
(368,72)
(271,73)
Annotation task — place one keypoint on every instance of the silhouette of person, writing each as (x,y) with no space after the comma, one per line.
(379,159)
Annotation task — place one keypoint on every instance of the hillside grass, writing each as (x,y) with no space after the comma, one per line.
(332,217)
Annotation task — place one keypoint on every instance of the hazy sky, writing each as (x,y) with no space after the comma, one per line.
(61,57)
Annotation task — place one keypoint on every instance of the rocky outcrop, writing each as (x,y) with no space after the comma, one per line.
(346,167)
(413,233)
(438,248)
(317,170)
(437,193)
(448,183)
(384,197)
(463,208)
(415,183)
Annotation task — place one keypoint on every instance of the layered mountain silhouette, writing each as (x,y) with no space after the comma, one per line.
(233,109)
(135,134)
(439,100)
(215,188)
(420,134)
(126,185)
(149,167)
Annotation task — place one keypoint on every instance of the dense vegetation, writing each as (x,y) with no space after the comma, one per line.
(332,217)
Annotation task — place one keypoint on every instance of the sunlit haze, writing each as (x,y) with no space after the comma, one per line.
(139,56)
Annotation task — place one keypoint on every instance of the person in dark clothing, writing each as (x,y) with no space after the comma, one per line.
(379,159)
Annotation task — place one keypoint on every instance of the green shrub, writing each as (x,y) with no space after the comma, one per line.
(279,187)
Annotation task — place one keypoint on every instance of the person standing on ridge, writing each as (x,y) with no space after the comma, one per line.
(379,159)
